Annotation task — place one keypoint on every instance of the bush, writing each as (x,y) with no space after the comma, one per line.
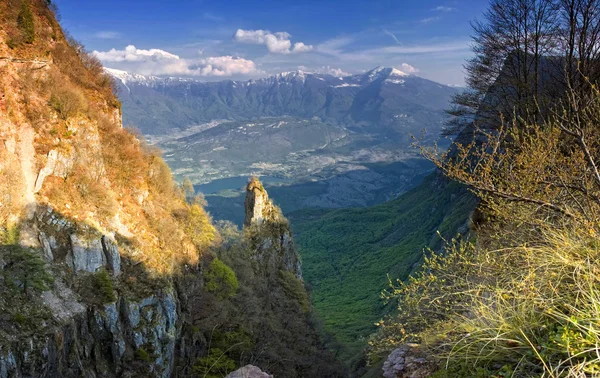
(220,280)
(198,226)
(24,269)
(142,355)
(215,365)
(66,101)
(26,23)
(523,299)
(294,288)
(104,286)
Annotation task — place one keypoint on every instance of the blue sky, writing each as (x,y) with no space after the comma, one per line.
(215,40)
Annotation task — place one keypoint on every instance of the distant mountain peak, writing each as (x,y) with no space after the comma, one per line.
(378,73)
(125,76)
(381,72)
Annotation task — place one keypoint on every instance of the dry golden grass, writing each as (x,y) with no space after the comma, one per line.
(522,297)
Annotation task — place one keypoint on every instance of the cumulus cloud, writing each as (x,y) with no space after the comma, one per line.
(276,43)
(133,54)
(405,67)
(332,71)
(160,62)
(224,66)
(300,47)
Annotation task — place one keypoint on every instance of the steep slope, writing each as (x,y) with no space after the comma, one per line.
(106,268)
(348,253)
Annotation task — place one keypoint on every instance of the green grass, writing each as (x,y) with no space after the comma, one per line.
(347,253)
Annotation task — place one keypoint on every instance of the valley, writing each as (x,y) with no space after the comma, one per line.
(329,150)
(328,141)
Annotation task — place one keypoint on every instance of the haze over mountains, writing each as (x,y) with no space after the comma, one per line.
(345,140)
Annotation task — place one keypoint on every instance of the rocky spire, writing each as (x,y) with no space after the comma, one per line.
(269,230)
(259,208)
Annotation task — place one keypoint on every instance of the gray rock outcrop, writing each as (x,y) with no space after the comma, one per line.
(249,371)
(269,230)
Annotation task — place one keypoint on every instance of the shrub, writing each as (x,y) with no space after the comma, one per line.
(104,287)
(198,226)
(24,269)
(26,23)
(523,298)
(215,365)
(220,280)
(142,355)
(66,101)
(294,288)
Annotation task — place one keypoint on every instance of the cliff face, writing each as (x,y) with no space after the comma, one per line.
(269,231)
(106,269)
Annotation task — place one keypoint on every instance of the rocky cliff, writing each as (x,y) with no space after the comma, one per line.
(269,231)
(106,268)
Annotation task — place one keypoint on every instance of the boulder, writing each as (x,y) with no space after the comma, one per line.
(249,371)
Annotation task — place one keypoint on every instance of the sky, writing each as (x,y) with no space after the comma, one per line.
(243,39)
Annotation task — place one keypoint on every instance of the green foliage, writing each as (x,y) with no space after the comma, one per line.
(295,289)
(348,253)
(10,235)
(142,355)
(523,300)
(103,286)
(25,269)
(26,23)
(220,280)
(215,365)
(19,318)
(263,324)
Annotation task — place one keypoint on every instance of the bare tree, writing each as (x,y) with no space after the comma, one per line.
(527,53)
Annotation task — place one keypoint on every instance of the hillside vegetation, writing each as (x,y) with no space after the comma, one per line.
(519,296)
(348,253)
(107,266)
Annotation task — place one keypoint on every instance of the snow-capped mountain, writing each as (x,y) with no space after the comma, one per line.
(377,99)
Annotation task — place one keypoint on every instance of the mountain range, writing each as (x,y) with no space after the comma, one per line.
(326,141)
(383,99)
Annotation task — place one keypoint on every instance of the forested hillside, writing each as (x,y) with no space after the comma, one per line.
(348,253)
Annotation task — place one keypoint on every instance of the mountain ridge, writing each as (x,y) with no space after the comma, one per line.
(378,99)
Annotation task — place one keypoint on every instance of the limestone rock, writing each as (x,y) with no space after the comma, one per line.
(249,371)
(45,244)
(86,256)
(111,252)
(269,230)
(258,207)
(407,361)
(56,164)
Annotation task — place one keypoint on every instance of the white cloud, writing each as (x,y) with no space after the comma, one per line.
(276,43)
(405,67)
(442,8)
(392,35)
(160,62)
(133,54)
(224,66)
(107,34)
(429,20)
(332,71)
(300,47)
